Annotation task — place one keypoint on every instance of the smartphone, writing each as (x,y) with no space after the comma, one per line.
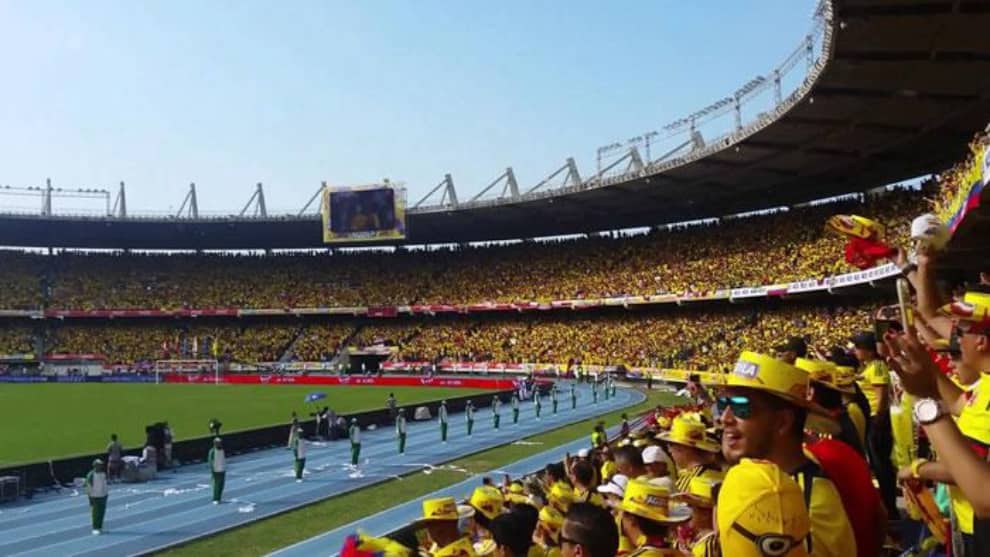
(904,302)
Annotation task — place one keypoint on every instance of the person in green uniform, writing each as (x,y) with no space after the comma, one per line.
(553,398)
(443,420)
(515,408)
(496,407)
(354,433)
(611,385)
(573,396)
(400,430)
(605,386)
(218,469)
(97,490)
(594,392)
(538,402)
(469,416)
(299,452)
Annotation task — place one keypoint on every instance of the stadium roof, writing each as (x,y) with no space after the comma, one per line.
(900,89)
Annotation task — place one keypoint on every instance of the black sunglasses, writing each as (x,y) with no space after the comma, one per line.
(742,406)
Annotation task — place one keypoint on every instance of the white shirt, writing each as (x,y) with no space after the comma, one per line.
(400,425)
(443,414)
(300,448)
(219,461)
(355,434)
(97,484)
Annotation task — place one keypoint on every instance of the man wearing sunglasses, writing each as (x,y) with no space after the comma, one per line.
(764,406)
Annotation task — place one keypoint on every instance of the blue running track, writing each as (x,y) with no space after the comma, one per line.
(176,507)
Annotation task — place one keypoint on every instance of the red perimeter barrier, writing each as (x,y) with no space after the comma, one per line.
(388,381)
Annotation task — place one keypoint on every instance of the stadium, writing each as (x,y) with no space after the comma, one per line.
(298,370)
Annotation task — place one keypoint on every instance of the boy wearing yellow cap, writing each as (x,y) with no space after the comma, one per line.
(761,511)
(704,541)
(693,452)
(487,502)
(764,406)
(440,518)
(547,534)
(646,519)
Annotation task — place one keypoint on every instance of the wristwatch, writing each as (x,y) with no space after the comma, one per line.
(928,411)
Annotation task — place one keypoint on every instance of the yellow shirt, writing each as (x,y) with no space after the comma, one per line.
(684,477)
(831,533)
(608,470)
(706,546)
(583,496)
(974,423)
(858,420)
(875,374)
(541,551)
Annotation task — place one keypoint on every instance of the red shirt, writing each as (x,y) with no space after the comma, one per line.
(851,475)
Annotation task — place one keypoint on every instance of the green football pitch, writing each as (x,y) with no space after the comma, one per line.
(43,421)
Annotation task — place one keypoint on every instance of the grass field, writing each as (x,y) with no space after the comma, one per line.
(273,533)
(42,421)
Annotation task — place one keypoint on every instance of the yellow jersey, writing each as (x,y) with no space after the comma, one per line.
(858,420)
(543,551)
(875,374)
(974,423)
(588,496)
(706,546)
(685,476)
(831,533)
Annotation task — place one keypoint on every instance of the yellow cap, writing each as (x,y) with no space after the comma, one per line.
(768,374)
(699,493)
(487,500)
(561,496)
(461,548)
(383,546)
(823,372)
(444,508)
(975,306)
(855,225)
(652,502)
(689,430)
(761,511)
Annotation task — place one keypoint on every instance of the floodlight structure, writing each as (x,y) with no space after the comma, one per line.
(120,204)
(189,204)
(510,188)
(572,178)
(257,199)
(448,196)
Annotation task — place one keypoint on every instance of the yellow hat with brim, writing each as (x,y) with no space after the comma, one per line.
(652,502)
(382,546)
(461,548)
(699,493)
(552,520)
(822,372)
(975,306)
(765,373)
(443,508)
(690,431)
(761,511)
(488,501)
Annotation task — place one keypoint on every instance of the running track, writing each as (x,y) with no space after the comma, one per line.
(176,508)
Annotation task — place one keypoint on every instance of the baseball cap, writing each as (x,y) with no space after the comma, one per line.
(615,486)
(761,511)
(654,454)
(793,344)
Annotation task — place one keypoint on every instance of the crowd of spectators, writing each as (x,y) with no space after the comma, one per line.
(765,249)
(16,339)
(952,182)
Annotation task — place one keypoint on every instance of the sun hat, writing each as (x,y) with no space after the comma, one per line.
(561,496)
(765,373)
(487,500)
(442,508)
(652,502)
(973,308)
(689,430)
(552,520)
(823,372)
(761,511)
(655,454)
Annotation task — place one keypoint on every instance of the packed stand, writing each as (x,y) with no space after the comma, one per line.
(767,249)
(17,339)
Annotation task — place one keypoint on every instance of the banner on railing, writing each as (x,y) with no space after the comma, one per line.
(402,381)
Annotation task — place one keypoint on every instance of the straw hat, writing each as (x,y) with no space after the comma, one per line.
(761,511)
(689,430)
(823,372)
(443,508)
(652,502)
(487,500)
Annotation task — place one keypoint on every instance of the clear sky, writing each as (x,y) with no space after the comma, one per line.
(227,94)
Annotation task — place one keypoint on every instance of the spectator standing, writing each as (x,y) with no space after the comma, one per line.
(115,457)
(97,490)
(875,383)
(217,460)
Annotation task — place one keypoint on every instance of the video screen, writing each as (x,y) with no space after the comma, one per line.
(363,214)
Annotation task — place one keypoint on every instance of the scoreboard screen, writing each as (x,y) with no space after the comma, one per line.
(366,213)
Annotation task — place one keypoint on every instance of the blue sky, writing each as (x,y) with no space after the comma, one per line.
(228,94)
